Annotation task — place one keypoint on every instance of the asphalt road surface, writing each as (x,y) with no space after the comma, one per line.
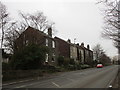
(87,78)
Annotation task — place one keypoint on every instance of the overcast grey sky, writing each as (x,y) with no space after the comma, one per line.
(80,19)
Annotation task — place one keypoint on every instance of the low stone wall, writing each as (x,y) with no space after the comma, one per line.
(19,74)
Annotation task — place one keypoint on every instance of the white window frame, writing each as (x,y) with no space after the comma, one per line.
(53,44)
(46,60)
(46,42)
(53,56)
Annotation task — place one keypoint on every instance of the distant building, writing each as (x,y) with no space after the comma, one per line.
(78,53)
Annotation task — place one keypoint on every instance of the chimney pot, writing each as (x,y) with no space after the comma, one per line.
(82,44)
(69,41)
(88,47)
(50,31)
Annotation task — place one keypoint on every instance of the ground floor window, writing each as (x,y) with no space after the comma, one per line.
(53,57)
(46,60)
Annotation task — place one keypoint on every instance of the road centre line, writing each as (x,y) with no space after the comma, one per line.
(56,84)
(17,82)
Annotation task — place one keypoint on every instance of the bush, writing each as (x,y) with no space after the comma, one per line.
(60,60)
(32,57)
(84,66)
(5,66)
(72,62)
(20,74)
(66,61)
(71,67)
(78,66)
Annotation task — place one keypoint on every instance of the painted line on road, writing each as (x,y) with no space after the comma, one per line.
(56,84)
(111,81)
(21,86)
(16,82)
(25,85)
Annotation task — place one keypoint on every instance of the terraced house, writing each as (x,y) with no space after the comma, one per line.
(34,36)
(57,46)
(78,53)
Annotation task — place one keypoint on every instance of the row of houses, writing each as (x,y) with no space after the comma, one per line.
(58,47)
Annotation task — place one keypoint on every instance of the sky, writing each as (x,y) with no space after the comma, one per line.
(80,19)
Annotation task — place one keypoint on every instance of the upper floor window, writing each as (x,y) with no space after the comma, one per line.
(53,44)
(46,42)
(26,42)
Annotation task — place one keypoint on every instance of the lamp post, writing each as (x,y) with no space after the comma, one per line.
(74,40)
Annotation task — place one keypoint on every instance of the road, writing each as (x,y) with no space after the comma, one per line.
(87,78)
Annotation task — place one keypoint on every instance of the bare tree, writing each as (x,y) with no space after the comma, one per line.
(98,52)
(36,20)
(111,20)
(12,34)
(4,21)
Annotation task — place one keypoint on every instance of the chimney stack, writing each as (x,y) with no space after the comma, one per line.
(82,44)
(69,41)
(88,47)
(50,31)
(77,44)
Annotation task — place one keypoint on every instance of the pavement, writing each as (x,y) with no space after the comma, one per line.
(88,78)
(116,82)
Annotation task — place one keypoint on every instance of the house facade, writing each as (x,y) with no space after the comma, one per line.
(78,53)
(34,36)
(57,46)
(62,47)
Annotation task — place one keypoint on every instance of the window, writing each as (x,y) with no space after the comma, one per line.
(46,42)
(53,44)
(46,58)
(53,57)
(26,42)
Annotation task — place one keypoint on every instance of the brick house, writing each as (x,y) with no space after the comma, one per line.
(57,46)
(73,52)
(34,36)
(78,53)
(86,54)
(66,49)
(62,47)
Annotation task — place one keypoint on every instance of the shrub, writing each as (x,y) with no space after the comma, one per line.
(60,60)
(66,61)
(71,67)
(32,57)
(84,66)
(72,62)
(5,66)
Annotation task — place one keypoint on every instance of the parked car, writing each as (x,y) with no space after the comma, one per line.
(99,65)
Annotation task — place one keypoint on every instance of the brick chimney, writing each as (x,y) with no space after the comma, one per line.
(77,44)
(88,47)
(82,44)
(69,41)
(50,31)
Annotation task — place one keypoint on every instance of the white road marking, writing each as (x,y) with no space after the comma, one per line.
(56,84)
(17,82)
(21,86)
